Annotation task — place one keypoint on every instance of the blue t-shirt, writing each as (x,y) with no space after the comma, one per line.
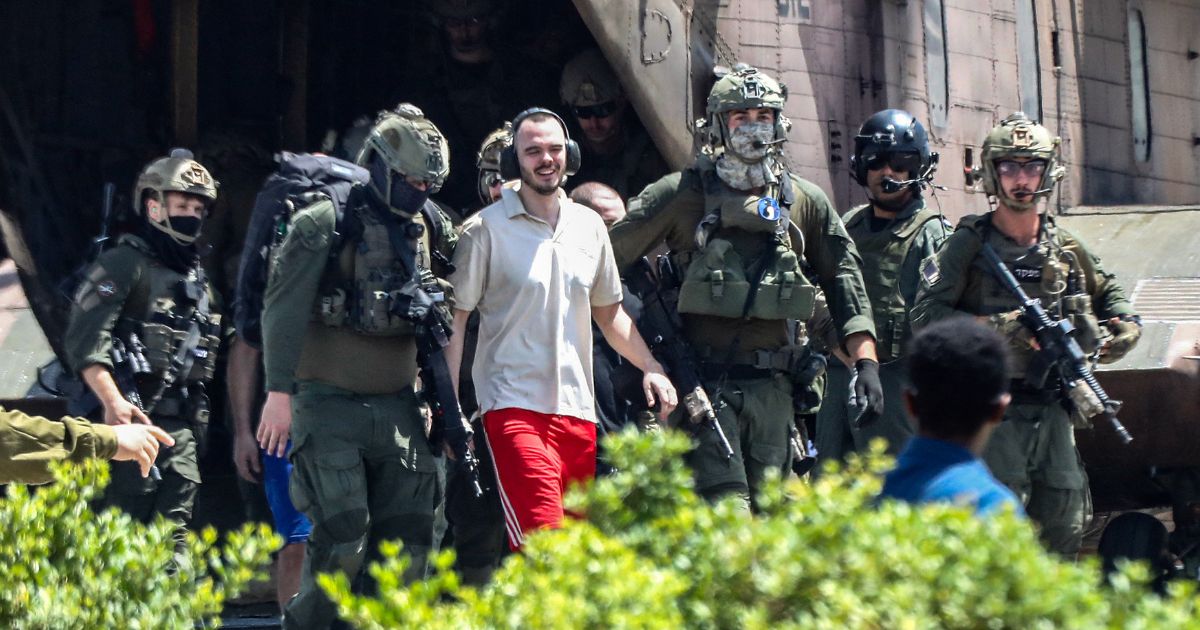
(932,470)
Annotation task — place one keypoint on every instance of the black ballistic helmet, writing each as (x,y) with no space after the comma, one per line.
(890,131)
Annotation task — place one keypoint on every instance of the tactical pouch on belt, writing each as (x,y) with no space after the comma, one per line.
(197,416)
(716,283)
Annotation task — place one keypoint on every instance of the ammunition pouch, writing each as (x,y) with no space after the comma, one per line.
(1088,332)
(716,283)
(162,337)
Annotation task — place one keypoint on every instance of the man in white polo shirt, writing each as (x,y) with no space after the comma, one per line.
(539,268)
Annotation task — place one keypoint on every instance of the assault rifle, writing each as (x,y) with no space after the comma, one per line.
(1059,351)
(129,360)
(420,300)
(661,328)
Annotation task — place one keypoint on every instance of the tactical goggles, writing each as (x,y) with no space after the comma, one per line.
(491,178)
(603,110)
(1010,168)
(899,162)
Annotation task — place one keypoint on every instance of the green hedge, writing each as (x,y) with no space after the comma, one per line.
(651,554)
(63,565)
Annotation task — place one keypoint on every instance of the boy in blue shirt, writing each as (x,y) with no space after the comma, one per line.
(957,392)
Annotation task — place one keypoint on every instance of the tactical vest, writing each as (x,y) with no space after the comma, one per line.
(362,285)
(883,255)
(171,315)
(748,263)
(1049,272)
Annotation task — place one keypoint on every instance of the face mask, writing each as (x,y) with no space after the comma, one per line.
(739,175)
(186,225)
(404,198)
(751,141)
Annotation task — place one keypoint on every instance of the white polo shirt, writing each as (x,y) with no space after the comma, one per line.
(534,288)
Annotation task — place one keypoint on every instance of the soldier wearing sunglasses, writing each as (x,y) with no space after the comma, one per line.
(616,150)
(894,232)
(1033,452)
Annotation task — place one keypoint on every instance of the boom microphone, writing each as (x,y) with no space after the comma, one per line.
(890,185)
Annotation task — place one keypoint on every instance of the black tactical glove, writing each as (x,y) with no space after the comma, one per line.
(868,392)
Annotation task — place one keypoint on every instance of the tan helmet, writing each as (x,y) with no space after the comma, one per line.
(409,145)
(1019,137)
(177,172)
(588,80)
(488,159)
(744,87)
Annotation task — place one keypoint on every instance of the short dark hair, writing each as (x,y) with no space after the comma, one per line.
(586,193)
(957,372)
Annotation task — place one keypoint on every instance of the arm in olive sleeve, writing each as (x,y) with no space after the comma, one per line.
(829,249)
(653,217)
(292,291)
(944,278)
(28,444)
(97,306)
(1108,297)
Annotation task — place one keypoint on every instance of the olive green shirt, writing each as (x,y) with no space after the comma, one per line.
(957,279)
(28,444)
(296,346)
(892,257)
(670,209)
(118,284)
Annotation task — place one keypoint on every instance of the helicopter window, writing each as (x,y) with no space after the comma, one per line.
(1139,85)
(937,70)
(1028,66)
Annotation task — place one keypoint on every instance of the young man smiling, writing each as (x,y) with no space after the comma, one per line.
(539,269)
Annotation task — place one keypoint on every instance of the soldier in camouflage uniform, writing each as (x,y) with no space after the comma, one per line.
(893,233)
(148,297)
(341,365)
(738,225)
(1033,451)
(615,147)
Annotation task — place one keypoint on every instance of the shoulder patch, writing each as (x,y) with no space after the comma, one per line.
(930,272)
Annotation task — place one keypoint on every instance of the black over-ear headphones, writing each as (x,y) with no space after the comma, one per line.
(511,169)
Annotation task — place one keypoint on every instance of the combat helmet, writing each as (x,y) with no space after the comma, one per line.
(409,145)
(588,80)
(744,87)
(891,131)
(177,172)
(488,158)
(1019,137)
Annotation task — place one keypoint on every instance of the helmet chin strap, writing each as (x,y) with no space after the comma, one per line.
(158,217)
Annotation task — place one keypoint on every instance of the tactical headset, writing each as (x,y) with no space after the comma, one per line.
(510,167)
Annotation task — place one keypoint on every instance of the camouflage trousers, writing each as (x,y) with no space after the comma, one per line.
(174,496)
(1033,453)
(837,436)
(756,415)
(363,473)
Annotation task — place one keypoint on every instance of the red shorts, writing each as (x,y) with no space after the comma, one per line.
(537,457)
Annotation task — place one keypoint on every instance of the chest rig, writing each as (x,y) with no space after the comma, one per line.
(883,254)
(374,271)
(169,325)
(1050,271)
(748,260)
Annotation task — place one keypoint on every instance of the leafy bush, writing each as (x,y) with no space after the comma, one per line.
(820,555)
(63,565)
